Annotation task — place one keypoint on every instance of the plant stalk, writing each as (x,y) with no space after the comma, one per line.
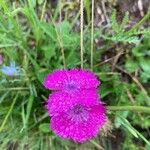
(141,109)
(81,32)
(137,25)
(92,34)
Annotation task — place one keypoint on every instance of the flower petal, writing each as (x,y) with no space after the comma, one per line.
(79,131)
(62,101)
(80,78)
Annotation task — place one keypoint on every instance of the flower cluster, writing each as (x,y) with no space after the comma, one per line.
(74,105)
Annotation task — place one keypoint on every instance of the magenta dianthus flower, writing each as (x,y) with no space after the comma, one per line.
(75,107)
(80,122)
(71,80)
(78,116)
(62,101)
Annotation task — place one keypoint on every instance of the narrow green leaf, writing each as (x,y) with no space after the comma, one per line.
(44,127)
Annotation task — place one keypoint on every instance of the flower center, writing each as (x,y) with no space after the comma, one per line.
(71,85)
(78,109)
(78,113)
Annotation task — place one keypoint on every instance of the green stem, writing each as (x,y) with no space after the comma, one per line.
(8,114)
(88,11)
(14,89)
(147,16)
(81,32)
(92,34)
(130,108)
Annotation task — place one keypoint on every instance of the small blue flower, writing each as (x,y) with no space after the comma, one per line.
(11,70)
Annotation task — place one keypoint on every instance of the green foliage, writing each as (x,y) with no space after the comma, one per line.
(88,11)
(119,27)
(35,44)
(139,60)
(44,127)
(119,34)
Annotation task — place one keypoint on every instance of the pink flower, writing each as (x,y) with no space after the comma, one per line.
(75,109)
(71,80)
(80,123)
(78,116)
(62,101)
